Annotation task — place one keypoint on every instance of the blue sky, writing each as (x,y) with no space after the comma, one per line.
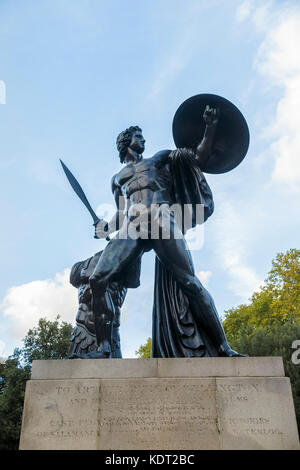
(76,73)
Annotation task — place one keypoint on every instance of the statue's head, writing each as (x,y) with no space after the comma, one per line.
(130,138)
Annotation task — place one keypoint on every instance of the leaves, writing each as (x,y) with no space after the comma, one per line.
(13,378)
(277,302)
(49,340)
(144,350)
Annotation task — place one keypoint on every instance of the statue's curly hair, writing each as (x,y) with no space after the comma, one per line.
(124,139)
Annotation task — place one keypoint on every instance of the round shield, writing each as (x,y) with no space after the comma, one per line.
(231,140)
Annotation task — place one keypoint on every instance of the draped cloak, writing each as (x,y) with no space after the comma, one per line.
(175,332)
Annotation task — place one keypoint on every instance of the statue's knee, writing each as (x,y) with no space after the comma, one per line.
(191,282)
(188,286)
(194,287)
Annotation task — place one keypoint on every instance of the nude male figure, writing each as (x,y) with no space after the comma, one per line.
(144,183)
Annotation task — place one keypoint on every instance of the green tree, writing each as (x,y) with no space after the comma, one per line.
(13,378)
(276,302)
(144,350)
(49,340)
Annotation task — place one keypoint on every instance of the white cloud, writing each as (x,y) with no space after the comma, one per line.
(277,61)
(262,14)
(24,305)
(237,223)
(182,46)
(175,63)
(243,10)
(258,11)
(3,352)
(232,231)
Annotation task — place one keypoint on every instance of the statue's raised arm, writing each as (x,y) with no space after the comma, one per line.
(213,127)
(204,148)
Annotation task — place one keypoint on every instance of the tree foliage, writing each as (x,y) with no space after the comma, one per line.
(13,378)
(49,340)
(277,302)
(144,350)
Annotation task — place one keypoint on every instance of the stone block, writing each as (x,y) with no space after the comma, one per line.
(161,404)
(179,367)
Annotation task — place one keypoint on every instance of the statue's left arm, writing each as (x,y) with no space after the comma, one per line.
(187,164)
(204,148)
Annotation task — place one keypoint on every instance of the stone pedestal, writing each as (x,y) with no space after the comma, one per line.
(161,404)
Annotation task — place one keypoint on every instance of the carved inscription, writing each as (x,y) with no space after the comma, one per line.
(67,412)
(244,408)
(133,410)
(158,413)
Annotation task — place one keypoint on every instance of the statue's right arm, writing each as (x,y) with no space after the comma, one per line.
(117,220)
(103,229)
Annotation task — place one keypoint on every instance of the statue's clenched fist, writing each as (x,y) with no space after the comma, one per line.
(211,116)
(101,229)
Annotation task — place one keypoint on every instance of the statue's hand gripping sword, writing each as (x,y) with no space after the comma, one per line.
(79,191)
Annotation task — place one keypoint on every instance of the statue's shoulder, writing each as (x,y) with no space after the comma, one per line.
(162,154)
(161,157)
(114,182)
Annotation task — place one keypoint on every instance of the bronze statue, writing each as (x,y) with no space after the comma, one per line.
(212,136)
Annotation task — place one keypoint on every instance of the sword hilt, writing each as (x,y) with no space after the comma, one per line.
(96,220)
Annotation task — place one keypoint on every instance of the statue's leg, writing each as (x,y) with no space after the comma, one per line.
(118,294)
(174,254)
(116,256)
(103,309)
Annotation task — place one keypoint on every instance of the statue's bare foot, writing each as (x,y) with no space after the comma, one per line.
(226,351)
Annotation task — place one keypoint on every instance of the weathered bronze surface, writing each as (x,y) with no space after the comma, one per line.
(212,136)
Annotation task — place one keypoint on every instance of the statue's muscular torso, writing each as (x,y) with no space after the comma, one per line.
(146,182)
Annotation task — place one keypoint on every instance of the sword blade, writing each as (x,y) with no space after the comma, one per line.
(79,191)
